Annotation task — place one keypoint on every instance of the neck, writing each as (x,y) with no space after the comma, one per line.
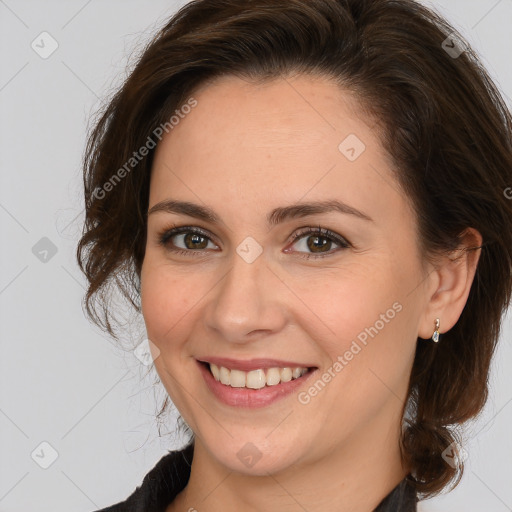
(356,477)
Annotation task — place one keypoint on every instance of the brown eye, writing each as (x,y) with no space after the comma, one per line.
(194,241)
(318,242)
(184,240)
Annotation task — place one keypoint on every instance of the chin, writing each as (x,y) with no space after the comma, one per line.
(254,454)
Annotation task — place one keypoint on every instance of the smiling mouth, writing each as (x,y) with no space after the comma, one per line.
(255,379)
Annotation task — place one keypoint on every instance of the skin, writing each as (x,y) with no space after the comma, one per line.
(244,150)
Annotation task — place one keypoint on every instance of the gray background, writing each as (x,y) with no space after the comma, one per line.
(61,380)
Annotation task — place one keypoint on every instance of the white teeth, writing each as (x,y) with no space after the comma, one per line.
(224,375)
(215,370)
(286,374)
(273,376)
(255,379)
(296,373)
(237,379)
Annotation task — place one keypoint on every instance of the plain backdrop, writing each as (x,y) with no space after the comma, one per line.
(76,413)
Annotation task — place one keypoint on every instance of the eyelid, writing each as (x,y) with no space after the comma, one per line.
(319,230)
(174,230)
(301,233)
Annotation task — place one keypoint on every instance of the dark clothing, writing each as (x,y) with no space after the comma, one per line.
(170,476)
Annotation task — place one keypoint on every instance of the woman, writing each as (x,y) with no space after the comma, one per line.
(306,200)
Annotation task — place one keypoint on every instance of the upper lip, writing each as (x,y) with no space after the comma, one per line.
(252,364)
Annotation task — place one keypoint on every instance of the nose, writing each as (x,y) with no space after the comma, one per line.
(247,303)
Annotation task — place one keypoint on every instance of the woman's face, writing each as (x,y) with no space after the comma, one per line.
(350,304)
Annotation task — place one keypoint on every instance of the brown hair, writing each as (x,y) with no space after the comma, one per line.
(441,118)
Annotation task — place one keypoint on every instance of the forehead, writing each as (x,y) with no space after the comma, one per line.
(281,139)
(302,115)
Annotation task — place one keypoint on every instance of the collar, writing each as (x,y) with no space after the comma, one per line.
(170,476)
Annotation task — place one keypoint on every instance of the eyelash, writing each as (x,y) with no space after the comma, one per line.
(166,234)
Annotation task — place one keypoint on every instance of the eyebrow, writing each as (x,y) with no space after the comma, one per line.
(276,216)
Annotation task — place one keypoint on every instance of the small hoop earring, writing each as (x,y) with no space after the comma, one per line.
(435,336)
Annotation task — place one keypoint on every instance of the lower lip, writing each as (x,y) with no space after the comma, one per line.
(251,398)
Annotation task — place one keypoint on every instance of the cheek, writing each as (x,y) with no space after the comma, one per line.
(360,320)
(367,366)
(167,300)
(343,302)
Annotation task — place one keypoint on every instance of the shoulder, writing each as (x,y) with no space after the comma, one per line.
(160,485)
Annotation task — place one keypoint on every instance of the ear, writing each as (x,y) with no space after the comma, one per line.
(449,285)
